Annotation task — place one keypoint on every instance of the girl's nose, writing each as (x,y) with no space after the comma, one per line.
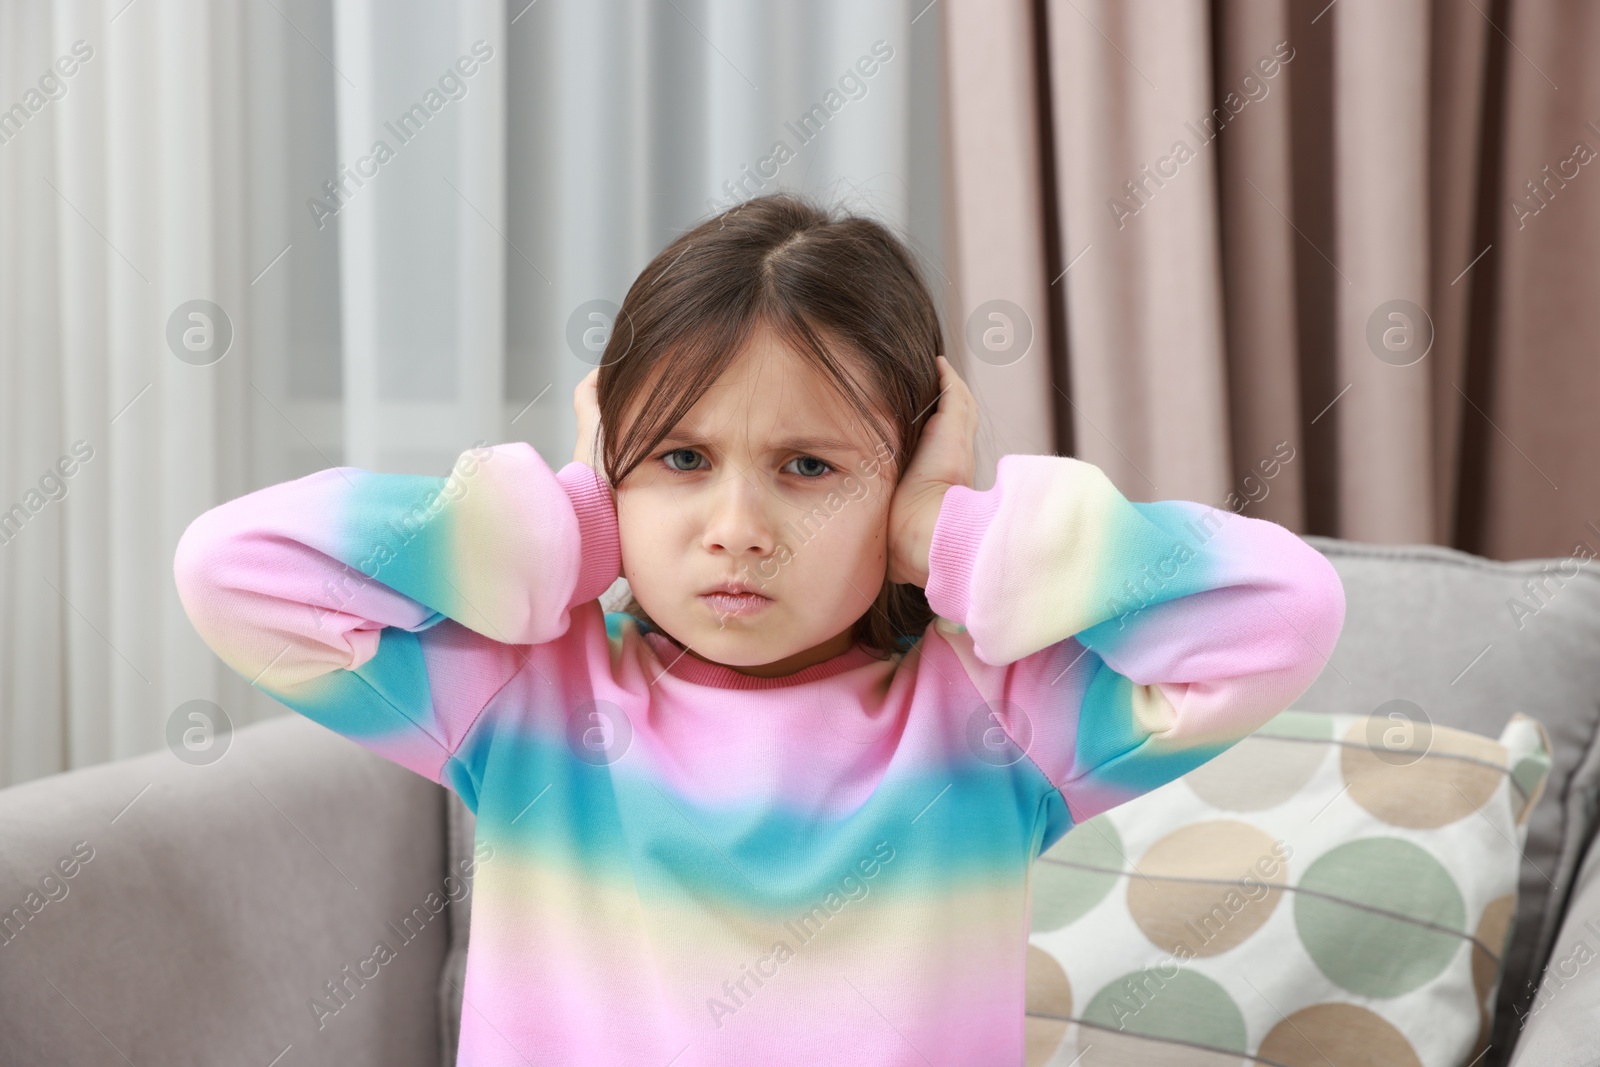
(737,521)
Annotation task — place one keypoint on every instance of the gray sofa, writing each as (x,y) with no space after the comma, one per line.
(208,909)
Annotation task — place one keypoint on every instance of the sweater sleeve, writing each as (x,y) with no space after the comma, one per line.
(1122,644)
(392,607)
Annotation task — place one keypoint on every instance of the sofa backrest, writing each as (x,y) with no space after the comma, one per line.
(161,911)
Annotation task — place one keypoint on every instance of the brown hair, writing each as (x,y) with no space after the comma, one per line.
(817,279)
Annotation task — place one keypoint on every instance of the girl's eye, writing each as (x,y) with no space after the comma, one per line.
(826,468)
(667,457)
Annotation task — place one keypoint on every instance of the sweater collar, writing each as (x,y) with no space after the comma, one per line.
(681,664)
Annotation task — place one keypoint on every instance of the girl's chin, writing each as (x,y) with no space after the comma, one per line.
(740,655)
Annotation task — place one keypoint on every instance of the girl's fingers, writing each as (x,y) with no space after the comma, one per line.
(944,453)
(585,403)
(960,424)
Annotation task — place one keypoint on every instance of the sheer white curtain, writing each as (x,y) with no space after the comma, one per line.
(213,278)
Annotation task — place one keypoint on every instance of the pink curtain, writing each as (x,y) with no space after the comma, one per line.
(1326,263)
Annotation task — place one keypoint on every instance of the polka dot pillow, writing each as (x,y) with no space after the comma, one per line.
(1333,889)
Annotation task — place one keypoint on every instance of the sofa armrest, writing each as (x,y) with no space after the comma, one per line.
(200,914)
(1561,1027)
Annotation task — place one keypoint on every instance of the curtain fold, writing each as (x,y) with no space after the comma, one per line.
(1137,187)
(1456,142)
(1380,255)
(122,200)
(1000,325)
(1541,483)
(1255,182)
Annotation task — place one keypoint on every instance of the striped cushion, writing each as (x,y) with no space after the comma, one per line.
(1334,888)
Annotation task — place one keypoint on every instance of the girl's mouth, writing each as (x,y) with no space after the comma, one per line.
(725,604)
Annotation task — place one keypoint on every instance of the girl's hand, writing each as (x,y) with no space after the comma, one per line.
(586,402)
(944,457)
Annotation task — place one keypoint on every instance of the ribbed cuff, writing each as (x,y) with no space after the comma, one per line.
(964,516)
(599,542)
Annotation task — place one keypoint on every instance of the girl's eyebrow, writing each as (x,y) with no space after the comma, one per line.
(802,443)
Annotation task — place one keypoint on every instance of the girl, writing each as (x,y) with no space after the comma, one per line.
(784,808)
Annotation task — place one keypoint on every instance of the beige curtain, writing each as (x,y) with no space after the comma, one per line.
(1289,252)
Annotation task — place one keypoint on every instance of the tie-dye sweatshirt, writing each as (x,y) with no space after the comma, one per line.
(693,866)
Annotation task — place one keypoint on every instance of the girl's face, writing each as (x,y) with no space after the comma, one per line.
(760,484)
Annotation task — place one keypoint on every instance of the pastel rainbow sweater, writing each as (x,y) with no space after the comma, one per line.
(695,867)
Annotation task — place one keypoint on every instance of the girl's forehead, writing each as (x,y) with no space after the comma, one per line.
(784,428)
(771,393)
